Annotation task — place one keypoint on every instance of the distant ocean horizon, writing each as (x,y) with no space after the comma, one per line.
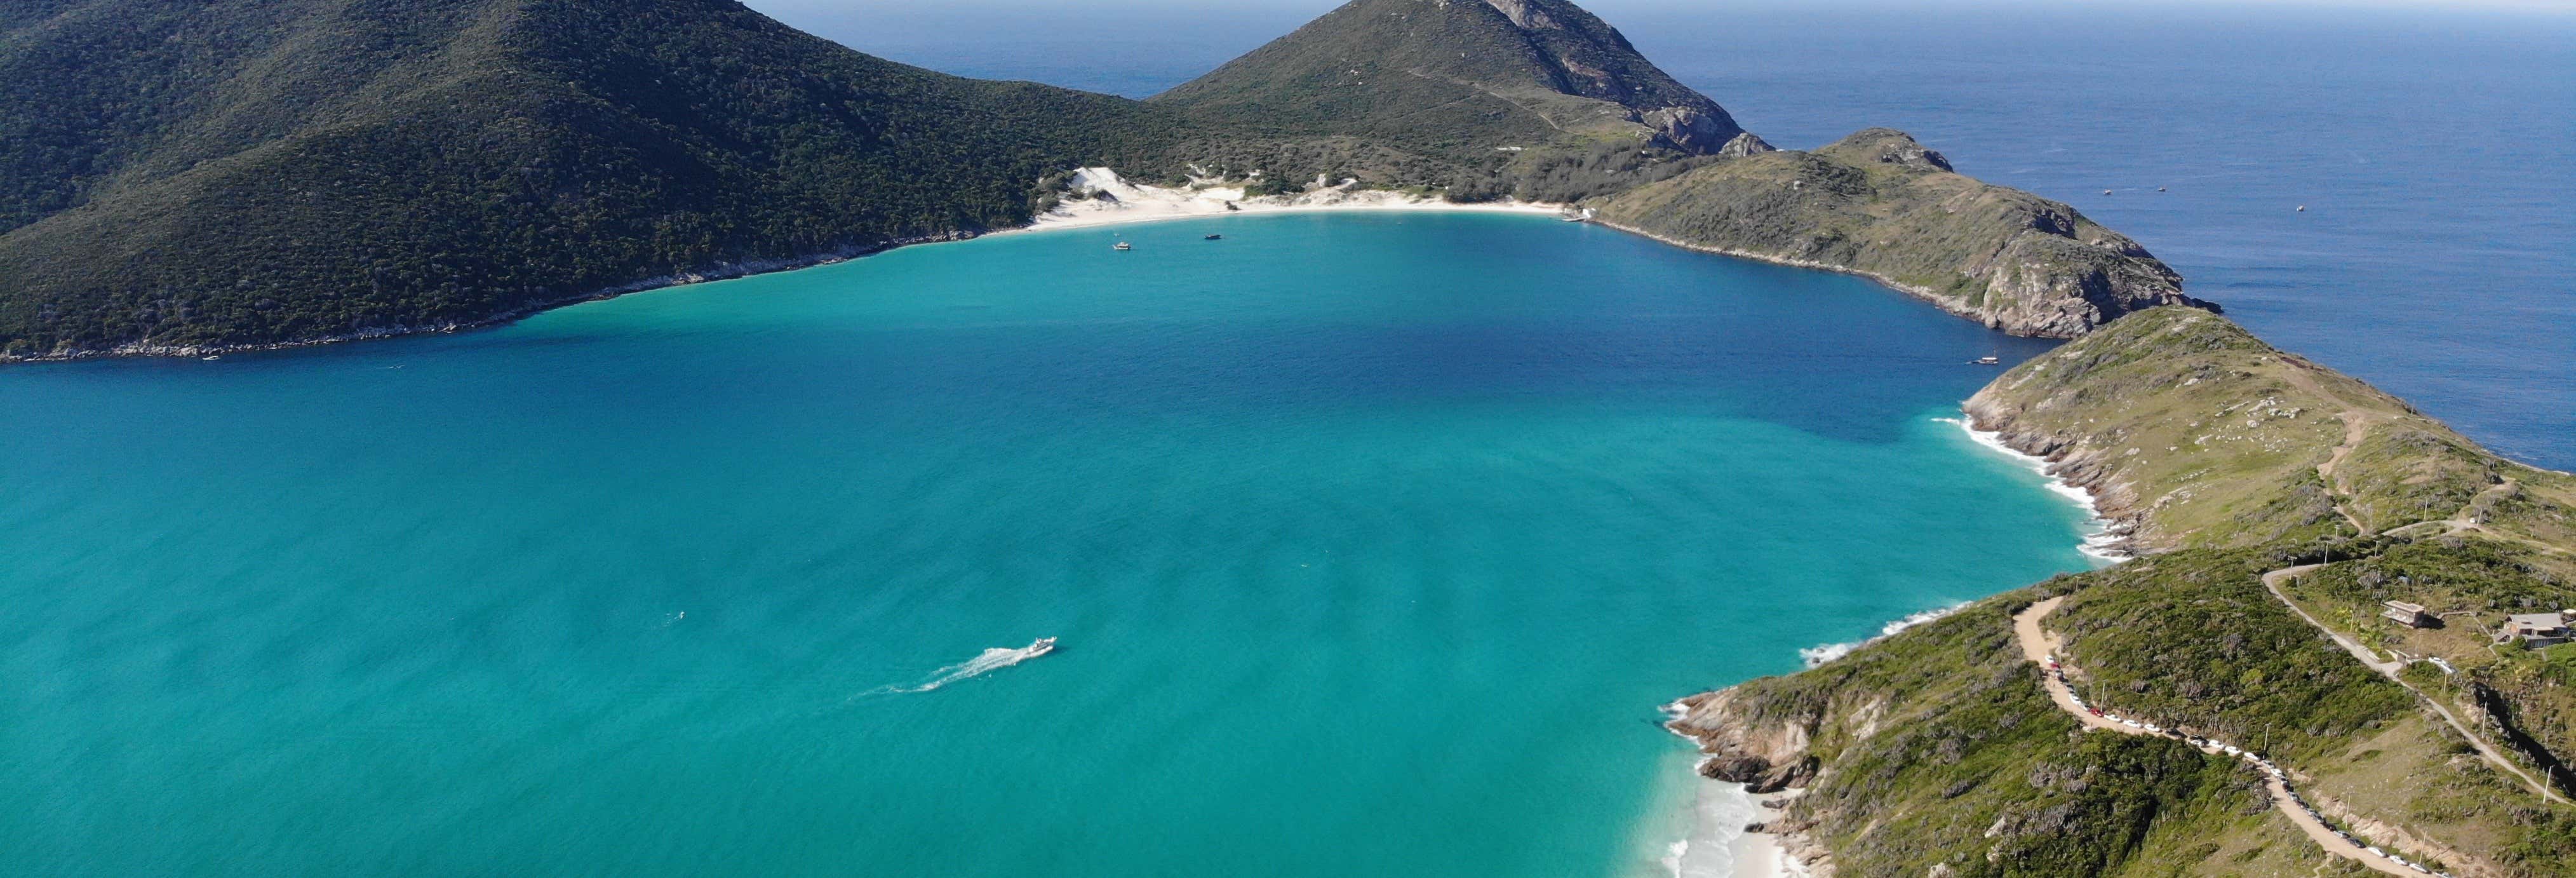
(2434,149)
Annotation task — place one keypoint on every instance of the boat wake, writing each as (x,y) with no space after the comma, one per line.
(983,663)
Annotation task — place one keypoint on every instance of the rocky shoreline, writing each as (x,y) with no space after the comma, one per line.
(1767,756)
(2071,461)
(1954,306)
(1879,204)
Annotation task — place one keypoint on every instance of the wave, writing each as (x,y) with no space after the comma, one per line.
(1817,656)
(988,661)
(1717,816)
(2100,542)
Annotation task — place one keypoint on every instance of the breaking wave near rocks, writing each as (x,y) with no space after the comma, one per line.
(1817,656)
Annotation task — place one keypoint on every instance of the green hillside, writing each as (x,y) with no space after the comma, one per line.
(184,176)
(1880,203)
(248,172)
(2231,463)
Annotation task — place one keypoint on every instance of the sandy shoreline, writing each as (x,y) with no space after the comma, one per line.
(1718,838)
(1111,200)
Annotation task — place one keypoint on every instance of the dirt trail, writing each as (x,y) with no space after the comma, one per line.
(2357,426)
(2390,669)
(2037,646)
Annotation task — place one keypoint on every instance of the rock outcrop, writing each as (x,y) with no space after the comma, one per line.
(1767,755)
(1746,144)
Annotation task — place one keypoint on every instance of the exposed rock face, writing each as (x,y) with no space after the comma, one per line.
(1879,203)
(1746,144)
(1523,14)
(1766,755)
(1890,146)
(1689,129)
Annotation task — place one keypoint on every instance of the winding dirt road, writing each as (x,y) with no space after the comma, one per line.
(2390,669)
(2037,645)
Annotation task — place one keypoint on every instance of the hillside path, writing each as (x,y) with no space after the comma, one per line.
(2037,645)
(2390,669)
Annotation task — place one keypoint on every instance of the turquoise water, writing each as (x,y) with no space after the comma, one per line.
(1373,541)
(2431,142)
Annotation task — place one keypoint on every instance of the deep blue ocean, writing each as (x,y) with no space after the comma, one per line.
(2434,147)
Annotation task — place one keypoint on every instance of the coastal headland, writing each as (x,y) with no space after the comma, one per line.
(2244,479)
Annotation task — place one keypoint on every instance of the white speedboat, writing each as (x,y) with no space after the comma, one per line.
(1122,245)
(1043,646)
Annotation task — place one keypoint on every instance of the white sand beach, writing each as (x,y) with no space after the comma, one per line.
(1127,201)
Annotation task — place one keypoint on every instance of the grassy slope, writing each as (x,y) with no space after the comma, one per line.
(1941,750)
(2229,434)
(1880,203)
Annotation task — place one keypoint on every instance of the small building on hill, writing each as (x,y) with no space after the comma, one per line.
(2537,630)
(2409,615)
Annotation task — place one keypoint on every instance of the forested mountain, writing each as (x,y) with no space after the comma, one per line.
(177,175)
(1459,77)
(176,172)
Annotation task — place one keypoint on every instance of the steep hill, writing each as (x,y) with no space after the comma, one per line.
(1458,77)
(181,176)
(1881,204)
(176,174)
(2281,503)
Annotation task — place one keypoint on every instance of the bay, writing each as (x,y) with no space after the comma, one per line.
(2432,144)
(1372,541)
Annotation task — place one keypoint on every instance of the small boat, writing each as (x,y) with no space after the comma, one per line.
(1213,238)
(1042,646)
(1123,246)
(2106,191)
(2303,208)
(211,357)
(1987,361)
(2160,188)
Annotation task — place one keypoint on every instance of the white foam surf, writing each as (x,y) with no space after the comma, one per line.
(2100,542)
(1817,656)
(986,662)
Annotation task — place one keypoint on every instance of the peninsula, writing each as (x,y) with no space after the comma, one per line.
(2279,512)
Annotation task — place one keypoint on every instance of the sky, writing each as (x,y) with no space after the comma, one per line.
(1139,47)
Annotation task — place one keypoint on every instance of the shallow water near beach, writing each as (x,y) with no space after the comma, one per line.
(1373,543)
